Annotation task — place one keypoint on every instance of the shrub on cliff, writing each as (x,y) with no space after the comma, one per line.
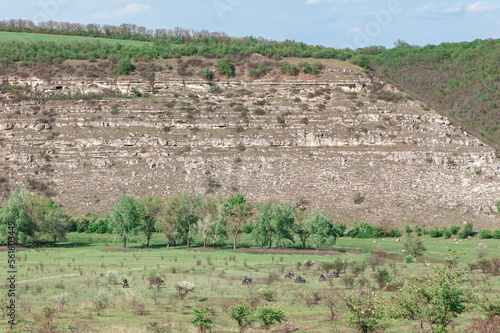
(124,67)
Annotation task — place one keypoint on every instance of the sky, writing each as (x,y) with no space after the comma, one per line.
(332,23)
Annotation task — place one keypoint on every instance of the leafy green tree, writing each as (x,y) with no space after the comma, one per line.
(236,211)
(124,67)
(432,303)
(364,312)
(300,228)
(11,211)
(190,205)
(321,229)
(274,223)
(382,276)
(32,216)
(269,315)
(242,312)
(209,217)
(151,208)
(169,217)
(126,218)
(362,61)
(219,228)
(55,222)
(226,67)
(414,245)
(203,318)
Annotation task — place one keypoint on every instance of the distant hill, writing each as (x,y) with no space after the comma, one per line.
(459,80)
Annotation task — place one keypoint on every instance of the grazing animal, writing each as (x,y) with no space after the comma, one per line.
(300,279)
(246,280)
(125,284)
(289,275)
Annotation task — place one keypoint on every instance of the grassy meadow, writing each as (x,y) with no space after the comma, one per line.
(79,267)
(29,37)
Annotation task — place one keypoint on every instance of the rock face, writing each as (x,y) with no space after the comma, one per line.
(322,141)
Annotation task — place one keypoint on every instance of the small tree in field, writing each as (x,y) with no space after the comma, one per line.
(243,314)
(363,311)
(203,318)
(269,315)
(433,303)
(414,245)
(125,218)
(151,208)
(321,229)
(236,210)
(101,300)
(112,277)
(184,288)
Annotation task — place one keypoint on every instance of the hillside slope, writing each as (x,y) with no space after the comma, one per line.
(333,141)
(461,80)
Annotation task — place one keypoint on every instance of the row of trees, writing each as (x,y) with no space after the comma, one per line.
(179,218)
(211,219)
(216,219)
(124,31)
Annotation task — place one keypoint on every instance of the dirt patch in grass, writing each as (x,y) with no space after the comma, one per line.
(289,251)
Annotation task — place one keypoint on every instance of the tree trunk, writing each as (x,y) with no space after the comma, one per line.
(168,243)
(188,242)
(55,241)
(234,241)
(304,244)
(205,243)
(214,243)
(149,237)
(317,246)
(124,242)
(270,243)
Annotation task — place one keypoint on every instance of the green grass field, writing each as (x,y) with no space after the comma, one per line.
(27,37)
(79,267)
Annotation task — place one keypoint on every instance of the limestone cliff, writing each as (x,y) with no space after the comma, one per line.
(324,141)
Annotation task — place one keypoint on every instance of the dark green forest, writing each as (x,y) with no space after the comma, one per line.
(460,80)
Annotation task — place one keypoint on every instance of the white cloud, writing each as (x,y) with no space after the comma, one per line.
(315,2)
(454,9)
(427,7)
(479,7)
(128,10)
(440,11)
(354,30)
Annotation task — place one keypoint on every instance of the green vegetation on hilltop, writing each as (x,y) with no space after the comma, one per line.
(460,80)
(32,37)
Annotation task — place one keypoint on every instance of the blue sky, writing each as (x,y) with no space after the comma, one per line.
(335,23)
